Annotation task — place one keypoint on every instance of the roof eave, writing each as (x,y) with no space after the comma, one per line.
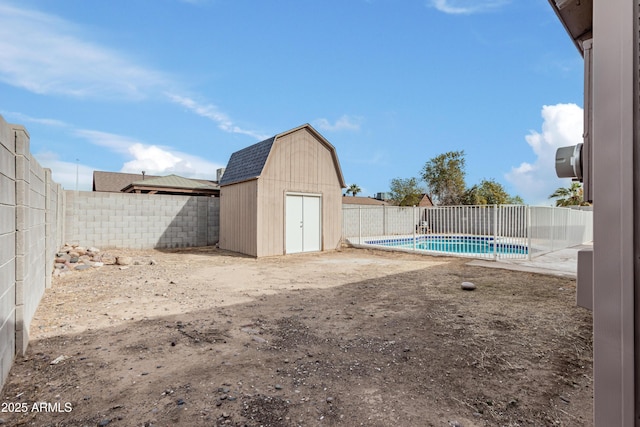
(226,184)
(576,17)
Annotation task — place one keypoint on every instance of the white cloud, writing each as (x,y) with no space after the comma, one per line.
(117,143)
(212,113)
(158,161)
(153,159)
(562,126)
(48,55)
(23,118)
(467,7)
(343,123)
(69,175)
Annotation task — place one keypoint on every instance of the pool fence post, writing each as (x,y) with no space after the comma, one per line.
(528,230)
(495,232)
(359,225)
(414,227)
(384,220)
(553,220)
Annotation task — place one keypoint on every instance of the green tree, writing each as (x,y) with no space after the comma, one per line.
(569,196)
(444,175)
(406,191)
(516,200)
(353,189)
(472,197)
(488,192)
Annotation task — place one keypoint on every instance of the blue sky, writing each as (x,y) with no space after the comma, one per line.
(176,86)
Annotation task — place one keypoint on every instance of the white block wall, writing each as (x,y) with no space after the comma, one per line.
(7,249)
(140,221)
(37,217)
(30,215)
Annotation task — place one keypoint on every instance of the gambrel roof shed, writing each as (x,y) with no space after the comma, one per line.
(282,195)
(249,162)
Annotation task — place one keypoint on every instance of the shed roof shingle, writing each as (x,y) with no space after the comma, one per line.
(247,163)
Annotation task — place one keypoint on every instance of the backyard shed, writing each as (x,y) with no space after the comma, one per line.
(282,195)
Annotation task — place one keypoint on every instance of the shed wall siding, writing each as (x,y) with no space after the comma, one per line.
(238,214)
(298,163)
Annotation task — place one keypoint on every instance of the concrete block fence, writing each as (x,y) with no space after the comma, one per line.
(30,233)
(141,221)
(37,217)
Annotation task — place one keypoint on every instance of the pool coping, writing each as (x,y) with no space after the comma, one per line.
(480,256)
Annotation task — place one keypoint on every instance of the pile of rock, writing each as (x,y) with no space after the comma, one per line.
(76,257)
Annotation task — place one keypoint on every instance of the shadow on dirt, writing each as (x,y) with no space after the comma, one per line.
(407,349)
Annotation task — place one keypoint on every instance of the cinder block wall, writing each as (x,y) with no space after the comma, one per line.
(140,221)
(7,249)
(370,220)
(37,217)
(30,212)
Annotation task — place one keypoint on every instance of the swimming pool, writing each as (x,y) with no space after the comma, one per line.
(459,245)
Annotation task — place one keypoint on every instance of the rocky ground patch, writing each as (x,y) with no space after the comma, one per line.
(79,258)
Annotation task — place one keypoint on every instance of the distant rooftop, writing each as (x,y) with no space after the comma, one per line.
(173,181)
(356,200)
(117,182)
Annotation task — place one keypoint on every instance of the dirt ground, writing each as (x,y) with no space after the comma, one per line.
(349,338)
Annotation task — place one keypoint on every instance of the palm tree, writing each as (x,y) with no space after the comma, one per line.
(570,196)
(353,189)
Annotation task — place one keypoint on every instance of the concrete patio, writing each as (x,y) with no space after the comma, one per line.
(558,263)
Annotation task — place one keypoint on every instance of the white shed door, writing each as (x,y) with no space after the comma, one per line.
(311,222)
(302,223)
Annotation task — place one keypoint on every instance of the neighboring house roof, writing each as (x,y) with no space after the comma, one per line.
(172,184)
(248,163)
(355,200)
(425,201)
(115,182)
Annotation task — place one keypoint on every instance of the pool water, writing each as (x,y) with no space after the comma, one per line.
(453,244)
